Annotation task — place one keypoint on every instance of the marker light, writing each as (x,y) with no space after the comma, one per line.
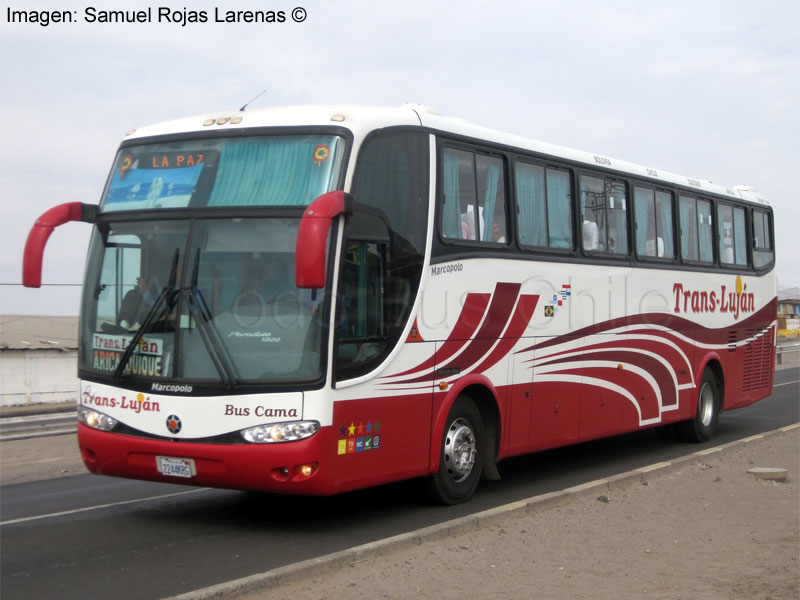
(280,432)
(222,121)
(208,122)
(308,469)
(236,120)
(95,419)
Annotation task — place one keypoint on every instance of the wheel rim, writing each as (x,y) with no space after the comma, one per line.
(705,408)
(460,450)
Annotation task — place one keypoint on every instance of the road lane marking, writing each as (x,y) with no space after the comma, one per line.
(99,506)
(787,383)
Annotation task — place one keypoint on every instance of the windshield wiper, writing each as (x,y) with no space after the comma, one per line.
(162,298)
(210,336)
(199,311)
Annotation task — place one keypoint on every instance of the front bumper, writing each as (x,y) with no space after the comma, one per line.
(264,467)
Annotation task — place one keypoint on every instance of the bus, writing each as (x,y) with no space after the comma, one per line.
(312,300)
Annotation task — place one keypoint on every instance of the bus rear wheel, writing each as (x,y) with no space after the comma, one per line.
(461,456)
(702,427)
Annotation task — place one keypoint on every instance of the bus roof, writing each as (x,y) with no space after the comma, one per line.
(361,120)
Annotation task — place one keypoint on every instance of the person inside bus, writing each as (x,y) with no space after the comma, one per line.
(497,233)
(468,221)
(136,304)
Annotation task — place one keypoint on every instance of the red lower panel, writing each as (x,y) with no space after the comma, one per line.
(372,442)
(234,466)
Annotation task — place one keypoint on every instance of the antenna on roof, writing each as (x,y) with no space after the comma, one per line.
(246,104)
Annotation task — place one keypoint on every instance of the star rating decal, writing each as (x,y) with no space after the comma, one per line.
(358,436)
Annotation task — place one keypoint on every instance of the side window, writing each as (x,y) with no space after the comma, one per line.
(705,231)
(732,235)
(725,221)
(604,210)
(664,228)
(384,249)
(763,253)
(696,230)
(739,237)
(362,327)
(474,206)
(688,211)
(544,206)
(653,223)
(392,175)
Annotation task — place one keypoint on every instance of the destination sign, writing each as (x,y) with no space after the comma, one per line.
(172,160)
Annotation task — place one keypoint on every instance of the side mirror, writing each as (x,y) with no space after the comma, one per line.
(40,232)
(312,238)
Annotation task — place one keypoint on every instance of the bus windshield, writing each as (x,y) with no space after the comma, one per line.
(202,300)
(289,170)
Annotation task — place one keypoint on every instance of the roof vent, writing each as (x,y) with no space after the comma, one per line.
(747,189)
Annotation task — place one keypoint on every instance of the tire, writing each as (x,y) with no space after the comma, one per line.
(704,424)
(461,455)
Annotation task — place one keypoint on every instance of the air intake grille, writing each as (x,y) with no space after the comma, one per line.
(758,359)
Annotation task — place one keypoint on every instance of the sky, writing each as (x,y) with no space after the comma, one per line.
(706,89)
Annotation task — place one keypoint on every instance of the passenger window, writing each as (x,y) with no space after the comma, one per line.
(474,197)
(739,237)
(604,208)
(732,235)
(696,230)
(763,254)
(544,206)
(705,231)
(653,223)
(688,221)
(664,228)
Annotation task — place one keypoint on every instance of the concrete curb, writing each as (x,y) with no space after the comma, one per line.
(331,562)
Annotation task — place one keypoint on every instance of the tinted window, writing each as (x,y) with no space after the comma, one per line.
(473,207)
(762,239)
(653,223)
(380,279)
(392,175)
(604,209)
(544,206)
(696,230)
(705,231)
(732,235)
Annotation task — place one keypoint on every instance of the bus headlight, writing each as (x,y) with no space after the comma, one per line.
(280,432)
(96,419)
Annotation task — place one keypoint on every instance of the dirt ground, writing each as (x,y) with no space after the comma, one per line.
(40,458)
(708,531)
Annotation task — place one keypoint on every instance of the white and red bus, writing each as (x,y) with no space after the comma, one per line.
(312,300)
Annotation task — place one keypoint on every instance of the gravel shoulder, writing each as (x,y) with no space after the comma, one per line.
(707,530)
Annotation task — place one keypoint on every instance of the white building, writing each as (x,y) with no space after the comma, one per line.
(38,359)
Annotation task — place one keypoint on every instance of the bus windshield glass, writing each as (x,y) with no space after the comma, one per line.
(289,170)
(210,300)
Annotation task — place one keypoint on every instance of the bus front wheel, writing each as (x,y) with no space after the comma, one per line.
(704,424)
(461,456)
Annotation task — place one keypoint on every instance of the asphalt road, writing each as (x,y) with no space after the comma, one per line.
(98,537)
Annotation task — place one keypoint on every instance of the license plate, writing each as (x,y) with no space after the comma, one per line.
(175,467)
